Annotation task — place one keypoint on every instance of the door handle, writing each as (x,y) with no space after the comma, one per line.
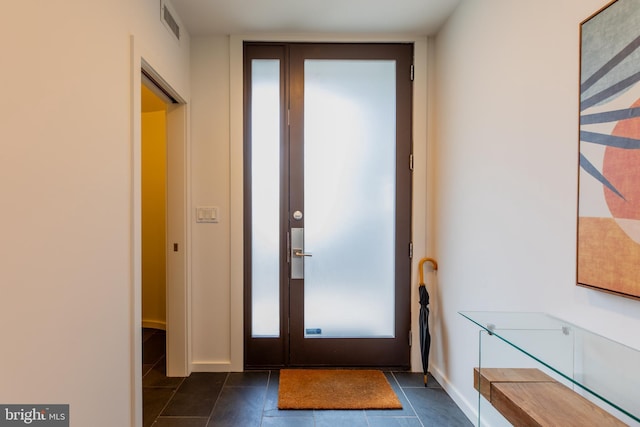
(298,254)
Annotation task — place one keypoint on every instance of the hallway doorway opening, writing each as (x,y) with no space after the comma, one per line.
(163,205)
(154,208)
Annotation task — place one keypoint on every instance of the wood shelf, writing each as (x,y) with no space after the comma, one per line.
(530,398)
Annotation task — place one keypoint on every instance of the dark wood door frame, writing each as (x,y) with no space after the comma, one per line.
(275,352)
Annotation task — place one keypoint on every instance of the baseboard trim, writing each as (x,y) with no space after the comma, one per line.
(154,324)
(469,410)
(211,367)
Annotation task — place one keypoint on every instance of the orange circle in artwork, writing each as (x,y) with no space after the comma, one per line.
(622,168)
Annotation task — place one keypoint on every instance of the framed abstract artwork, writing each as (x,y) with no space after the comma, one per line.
(609,178)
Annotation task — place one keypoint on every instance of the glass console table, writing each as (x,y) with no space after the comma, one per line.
(604,372)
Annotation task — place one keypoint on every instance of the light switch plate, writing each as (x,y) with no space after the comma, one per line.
(207,214)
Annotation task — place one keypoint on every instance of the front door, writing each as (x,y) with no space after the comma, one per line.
(328,202)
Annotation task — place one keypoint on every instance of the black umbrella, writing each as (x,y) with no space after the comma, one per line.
(425,336)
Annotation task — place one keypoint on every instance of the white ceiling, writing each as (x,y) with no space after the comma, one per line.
(211,17)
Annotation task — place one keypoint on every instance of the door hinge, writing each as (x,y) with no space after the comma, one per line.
(410,249)
(411,72)
(410,339)
(410,161)
(288,117)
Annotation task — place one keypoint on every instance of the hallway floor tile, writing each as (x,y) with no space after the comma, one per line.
(250,399)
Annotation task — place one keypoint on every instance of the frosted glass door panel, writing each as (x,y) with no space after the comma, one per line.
(349,187)
(265,197)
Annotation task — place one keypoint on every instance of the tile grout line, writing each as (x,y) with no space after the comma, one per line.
(266,397)
(215,404)
(154,364)
(407,398)
(173,394)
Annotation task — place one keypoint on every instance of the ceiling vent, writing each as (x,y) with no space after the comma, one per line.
(167,18)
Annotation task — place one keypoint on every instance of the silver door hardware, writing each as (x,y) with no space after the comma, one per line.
(297,215)
(297,253)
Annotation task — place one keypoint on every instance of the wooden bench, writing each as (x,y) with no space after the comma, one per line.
(530,398)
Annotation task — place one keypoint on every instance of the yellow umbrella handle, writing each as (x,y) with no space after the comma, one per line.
(421,264)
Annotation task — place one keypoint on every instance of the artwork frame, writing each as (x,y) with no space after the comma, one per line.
(608,235)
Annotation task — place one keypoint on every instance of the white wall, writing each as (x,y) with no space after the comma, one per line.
(211,292)
(66,275)
(505,158)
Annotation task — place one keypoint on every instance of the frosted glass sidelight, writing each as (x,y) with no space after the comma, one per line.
(265,197)
(349,185)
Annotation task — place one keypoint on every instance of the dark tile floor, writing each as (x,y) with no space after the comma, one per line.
(250,399)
